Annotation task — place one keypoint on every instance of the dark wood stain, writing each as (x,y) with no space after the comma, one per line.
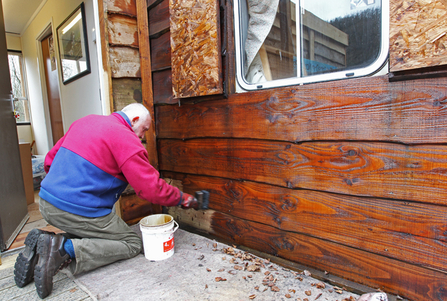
(347,176)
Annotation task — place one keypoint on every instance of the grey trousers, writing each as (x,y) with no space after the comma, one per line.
(97,241)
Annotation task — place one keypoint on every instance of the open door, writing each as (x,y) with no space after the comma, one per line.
(13,207)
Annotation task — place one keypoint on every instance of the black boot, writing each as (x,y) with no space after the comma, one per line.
(52,258)
(27,259)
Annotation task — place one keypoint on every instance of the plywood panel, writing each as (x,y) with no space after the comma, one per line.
(369,109)
(124,62)
(411,232)
(417,34)
(195,48)
(377,271)
(123,31)
(364,169)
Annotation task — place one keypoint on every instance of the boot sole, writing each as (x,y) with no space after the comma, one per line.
(44,286)
(24,267)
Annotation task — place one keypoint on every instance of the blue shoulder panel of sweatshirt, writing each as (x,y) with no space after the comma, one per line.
(77,186)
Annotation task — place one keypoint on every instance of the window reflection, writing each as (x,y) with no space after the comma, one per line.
(333,36)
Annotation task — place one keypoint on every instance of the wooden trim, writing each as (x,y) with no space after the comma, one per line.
(105,54)
(146,78)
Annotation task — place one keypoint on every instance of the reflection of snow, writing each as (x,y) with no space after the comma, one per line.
(329,9)
(71,68)
(360,3)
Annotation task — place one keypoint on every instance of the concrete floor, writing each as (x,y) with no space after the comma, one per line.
(200,269)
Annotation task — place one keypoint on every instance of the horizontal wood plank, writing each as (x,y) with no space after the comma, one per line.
(159,18)
(133,208)
(368,109)
(125,7)
(123,31)
(126,91)
(377,271)
(163,92)
(161,52)
(124,62)
(382,170)
(411,232)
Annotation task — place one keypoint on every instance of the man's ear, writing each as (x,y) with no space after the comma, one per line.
(134,120)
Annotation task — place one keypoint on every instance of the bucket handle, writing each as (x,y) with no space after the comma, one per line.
(176,226)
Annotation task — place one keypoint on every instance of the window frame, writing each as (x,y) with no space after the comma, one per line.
(369,70)
(24,85)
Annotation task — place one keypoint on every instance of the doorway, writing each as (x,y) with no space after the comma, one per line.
(52,85)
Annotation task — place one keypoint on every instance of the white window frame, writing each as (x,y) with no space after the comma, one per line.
(24,86)
(369,70)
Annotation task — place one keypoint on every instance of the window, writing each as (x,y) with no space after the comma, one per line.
(289,42)
(20,99)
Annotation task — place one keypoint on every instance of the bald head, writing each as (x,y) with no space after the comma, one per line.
(139,117)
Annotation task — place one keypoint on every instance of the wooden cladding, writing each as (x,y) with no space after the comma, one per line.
(407,280)
(418,34)
(382,170)
(373,224)
(195,48)
(369,109)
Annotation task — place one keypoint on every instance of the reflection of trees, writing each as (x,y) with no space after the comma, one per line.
(69,68)
(364,34)
(16,75)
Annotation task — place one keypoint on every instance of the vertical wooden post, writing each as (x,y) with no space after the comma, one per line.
(105,56)
(146,77)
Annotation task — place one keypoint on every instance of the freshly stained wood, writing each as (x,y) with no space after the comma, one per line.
(124,62)
(124,7)
(412,232)
(123,31)
(126,91)
(195,48)
(383,170)
(161,52)
(393,276)
(369,109)
(133,208)
(163,92)
(159,18)
(417,34)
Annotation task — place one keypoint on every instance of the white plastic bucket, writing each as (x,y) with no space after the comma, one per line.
(158,236)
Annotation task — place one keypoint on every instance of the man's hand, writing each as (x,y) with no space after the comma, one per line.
(188,201)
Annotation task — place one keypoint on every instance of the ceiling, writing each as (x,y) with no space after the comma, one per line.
(19,13)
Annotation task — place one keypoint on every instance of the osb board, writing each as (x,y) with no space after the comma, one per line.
(195,48)
(124,62)
(417,34)
(123,30)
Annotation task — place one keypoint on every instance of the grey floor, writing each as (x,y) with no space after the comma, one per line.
(200,269)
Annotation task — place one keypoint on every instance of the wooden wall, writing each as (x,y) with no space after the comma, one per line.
(120,26)
(348,177)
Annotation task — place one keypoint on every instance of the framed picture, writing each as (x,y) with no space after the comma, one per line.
(73,46)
